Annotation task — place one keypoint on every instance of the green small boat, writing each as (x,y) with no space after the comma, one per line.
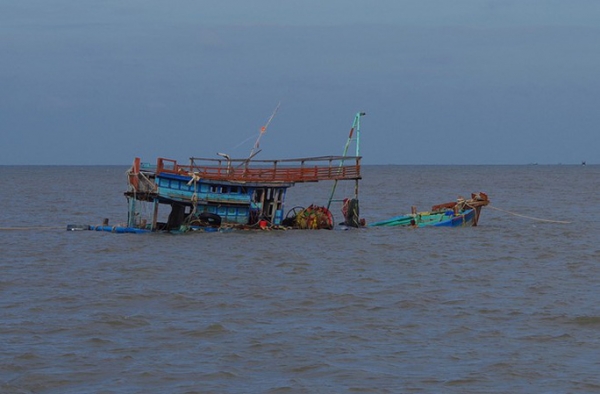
(460,213)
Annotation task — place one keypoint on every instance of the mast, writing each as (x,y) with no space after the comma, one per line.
(355,126)
(263,130)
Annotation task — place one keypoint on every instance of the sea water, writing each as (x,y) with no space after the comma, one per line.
(510,306)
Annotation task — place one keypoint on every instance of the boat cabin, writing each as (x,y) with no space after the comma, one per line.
(209,192)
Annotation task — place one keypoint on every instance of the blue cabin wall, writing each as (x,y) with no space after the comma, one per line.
(178,189)
(234,203)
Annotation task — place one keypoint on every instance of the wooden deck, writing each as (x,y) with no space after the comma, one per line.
(312,169)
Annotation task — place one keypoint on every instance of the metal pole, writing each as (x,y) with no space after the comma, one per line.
(355,126)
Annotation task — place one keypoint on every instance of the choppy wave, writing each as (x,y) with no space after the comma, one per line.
(510,306)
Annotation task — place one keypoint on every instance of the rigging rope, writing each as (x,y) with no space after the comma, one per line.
(529,217)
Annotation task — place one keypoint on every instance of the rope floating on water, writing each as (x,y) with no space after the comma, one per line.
(529,217)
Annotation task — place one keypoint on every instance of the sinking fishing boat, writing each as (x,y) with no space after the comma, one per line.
(217,194)
(459,213)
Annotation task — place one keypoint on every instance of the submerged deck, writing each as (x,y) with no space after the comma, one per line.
(236,191)
(311,169)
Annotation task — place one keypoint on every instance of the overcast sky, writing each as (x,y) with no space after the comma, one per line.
(442,82)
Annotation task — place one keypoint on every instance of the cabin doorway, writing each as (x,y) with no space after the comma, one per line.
(269,203)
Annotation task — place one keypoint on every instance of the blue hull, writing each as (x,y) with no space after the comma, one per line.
(119,229)
(437,219)
(464,219)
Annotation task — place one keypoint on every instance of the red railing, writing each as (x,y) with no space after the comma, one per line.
(278,171)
